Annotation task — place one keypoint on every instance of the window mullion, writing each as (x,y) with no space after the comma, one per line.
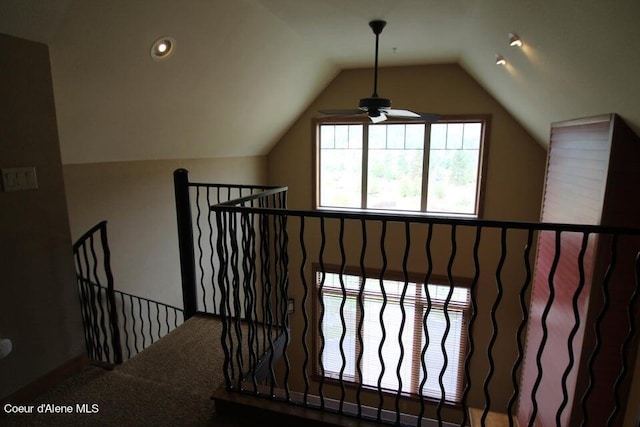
(365,165)
(425,167)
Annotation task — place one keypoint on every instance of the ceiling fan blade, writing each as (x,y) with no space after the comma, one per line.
(402,113)
(430,117)
(349,112)
(380,118)
(406,114)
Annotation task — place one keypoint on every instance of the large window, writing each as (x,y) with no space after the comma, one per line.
(426,309)
(419,167)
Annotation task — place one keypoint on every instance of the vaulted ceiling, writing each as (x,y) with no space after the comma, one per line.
(243,70)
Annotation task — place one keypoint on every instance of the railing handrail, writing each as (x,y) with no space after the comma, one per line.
(131,295)
(431,219)
(101,225)
(251,197)
(239,186)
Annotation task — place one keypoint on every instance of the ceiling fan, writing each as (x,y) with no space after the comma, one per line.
(379,109)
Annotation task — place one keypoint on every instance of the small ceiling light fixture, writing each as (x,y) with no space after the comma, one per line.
(515,40)
(500,60)
(163,48)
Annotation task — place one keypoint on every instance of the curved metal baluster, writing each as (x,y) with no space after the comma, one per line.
(425,329)
(133,327)
(452,257)
(214,309)
(249,298)
(91,286)
(323,275)
(521,327)
(381,319)
(264,253)
(405,273)
(84,304)
(246,286)
(235,284)
(150,322)
(124,326)
(342,321)
(266,263)
(226,283)
(268,298)
(631,318)
(494,325)
(276,268)
(158,320)
(144,341)
(305,315)
(200,252)
(545,334)
(254,292)
(222,273)
(166,318)
(363,280)
(473,290)
(285,304)
(103,328)
(576,327)
(112,313)
(95,329)
(598,327)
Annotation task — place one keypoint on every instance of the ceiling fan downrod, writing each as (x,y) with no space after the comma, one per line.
(377,26)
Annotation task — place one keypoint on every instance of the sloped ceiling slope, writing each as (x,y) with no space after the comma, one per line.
(237,78)
(243,70)
(579,57)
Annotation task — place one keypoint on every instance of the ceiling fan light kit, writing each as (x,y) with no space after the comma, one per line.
(377,108)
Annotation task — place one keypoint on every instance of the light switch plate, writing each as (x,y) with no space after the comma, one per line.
(17,179)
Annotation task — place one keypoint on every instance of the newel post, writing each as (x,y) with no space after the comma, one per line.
(185,242)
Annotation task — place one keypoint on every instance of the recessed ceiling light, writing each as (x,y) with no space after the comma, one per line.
(163,48)
(500,60)
(515,40)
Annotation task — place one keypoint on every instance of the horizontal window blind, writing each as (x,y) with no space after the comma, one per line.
(381,313)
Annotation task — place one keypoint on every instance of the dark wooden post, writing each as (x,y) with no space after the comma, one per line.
(185,242)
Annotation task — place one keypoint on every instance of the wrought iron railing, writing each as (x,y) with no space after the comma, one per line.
(197,235)
(332,267)
(117,325)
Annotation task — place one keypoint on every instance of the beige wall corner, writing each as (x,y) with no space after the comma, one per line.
(137,199)
(39,309)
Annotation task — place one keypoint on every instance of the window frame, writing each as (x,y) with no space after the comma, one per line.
(375,274)
(485,119)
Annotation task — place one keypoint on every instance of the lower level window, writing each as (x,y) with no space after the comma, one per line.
(434,315)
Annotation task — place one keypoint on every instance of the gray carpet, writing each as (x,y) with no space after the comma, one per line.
(168,384)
